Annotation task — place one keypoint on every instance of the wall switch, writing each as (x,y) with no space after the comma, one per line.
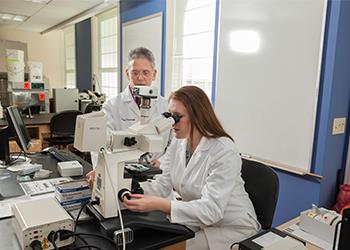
(338,126)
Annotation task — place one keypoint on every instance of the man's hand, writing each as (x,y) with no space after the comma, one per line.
(145,203)
(155,163)
(90,177)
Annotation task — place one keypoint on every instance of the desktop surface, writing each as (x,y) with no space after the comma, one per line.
(38,119)
(9,185)
(144,238)
(150,232)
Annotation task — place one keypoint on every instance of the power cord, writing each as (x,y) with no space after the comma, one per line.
(65,234)
(97,236)
(118,207)
(83,240)
(87,246)
(96,202)
(36,245)
(233,244)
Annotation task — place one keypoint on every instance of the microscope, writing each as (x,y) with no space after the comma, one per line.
(123,147)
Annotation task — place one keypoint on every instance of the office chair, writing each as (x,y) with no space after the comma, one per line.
(62,128)
(262,186)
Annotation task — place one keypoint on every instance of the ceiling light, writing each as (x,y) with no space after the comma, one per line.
(38,1)
(19,18)
(7,17)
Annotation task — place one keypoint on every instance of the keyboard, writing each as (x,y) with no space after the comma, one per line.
(61,155)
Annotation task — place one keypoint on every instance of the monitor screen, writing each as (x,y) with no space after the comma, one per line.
(18,128)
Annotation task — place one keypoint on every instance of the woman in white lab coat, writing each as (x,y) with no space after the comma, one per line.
(204,166)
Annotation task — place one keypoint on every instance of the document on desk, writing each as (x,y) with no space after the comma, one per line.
(42,186)
(267,239)
(294,230)
(5,205)
(33,190)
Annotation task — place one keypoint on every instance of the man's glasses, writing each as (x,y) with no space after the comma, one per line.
(144,73)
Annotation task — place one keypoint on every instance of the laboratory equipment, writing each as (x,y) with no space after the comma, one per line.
(65,99)
(121,147)
(31,227)
(17,128)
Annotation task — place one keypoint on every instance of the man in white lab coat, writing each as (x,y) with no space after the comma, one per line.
(123,110)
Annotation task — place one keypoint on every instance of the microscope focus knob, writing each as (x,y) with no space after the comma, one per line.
(124,193)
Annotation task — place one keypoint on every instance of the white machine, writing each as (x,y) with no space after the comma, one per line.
(122,146)
(36,226)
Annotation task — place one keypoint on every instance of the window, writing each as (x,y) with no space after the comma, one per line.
(69,57)
(193,48)
(107,76)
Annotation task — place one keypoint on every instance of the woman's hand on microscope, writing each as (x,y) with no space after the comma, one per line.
(90,177)
(147,203)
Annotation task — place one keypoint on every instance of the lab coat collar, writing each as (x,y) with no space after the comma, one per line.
(204,144)
(126,97)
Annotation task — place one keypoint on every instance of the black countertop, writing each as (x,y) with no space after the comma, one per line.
(38,119)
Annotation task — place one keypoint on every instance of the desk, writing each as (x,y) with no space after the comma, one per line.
(37,126)
(296,220)
(147,239)
(144,238)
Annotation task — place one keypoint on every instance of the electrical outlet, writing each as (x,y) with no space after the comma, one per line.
(338,126)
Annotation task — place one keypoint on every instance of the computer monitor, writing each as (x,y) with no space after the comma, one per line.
(16,128)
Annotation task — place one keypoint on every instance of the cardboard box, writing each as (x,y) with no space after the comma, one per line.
(15,65)
(35,72)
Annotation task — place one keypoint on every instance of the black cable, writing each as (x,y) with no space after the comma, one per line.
(52,237)
(98,236)
(86,246)
(83,240)
(81,210)
(233,244)
(54,245)
(36,245)
(67,233)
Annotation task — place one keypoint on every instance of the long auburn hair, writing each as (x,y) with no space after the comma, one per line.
(200,111)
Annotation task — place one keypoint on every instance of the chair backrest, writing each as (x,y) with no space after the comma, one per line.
(262,186)
(63,123)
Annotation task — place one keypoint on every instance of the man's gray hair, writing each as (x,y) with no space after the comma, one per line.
(142,52)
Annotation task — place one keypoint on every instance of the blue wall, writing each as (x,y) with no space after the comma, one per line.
(83,54)
(298,193)
(131,10)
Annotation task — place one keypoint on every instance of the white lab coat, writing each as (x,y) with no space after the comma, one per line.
(122,111)
(213,196)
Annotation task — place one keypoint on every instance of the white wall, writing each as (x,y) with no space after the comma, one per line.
(47,49)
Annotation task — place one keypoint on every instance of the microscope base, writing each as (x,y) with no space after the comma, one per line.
(137,221)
